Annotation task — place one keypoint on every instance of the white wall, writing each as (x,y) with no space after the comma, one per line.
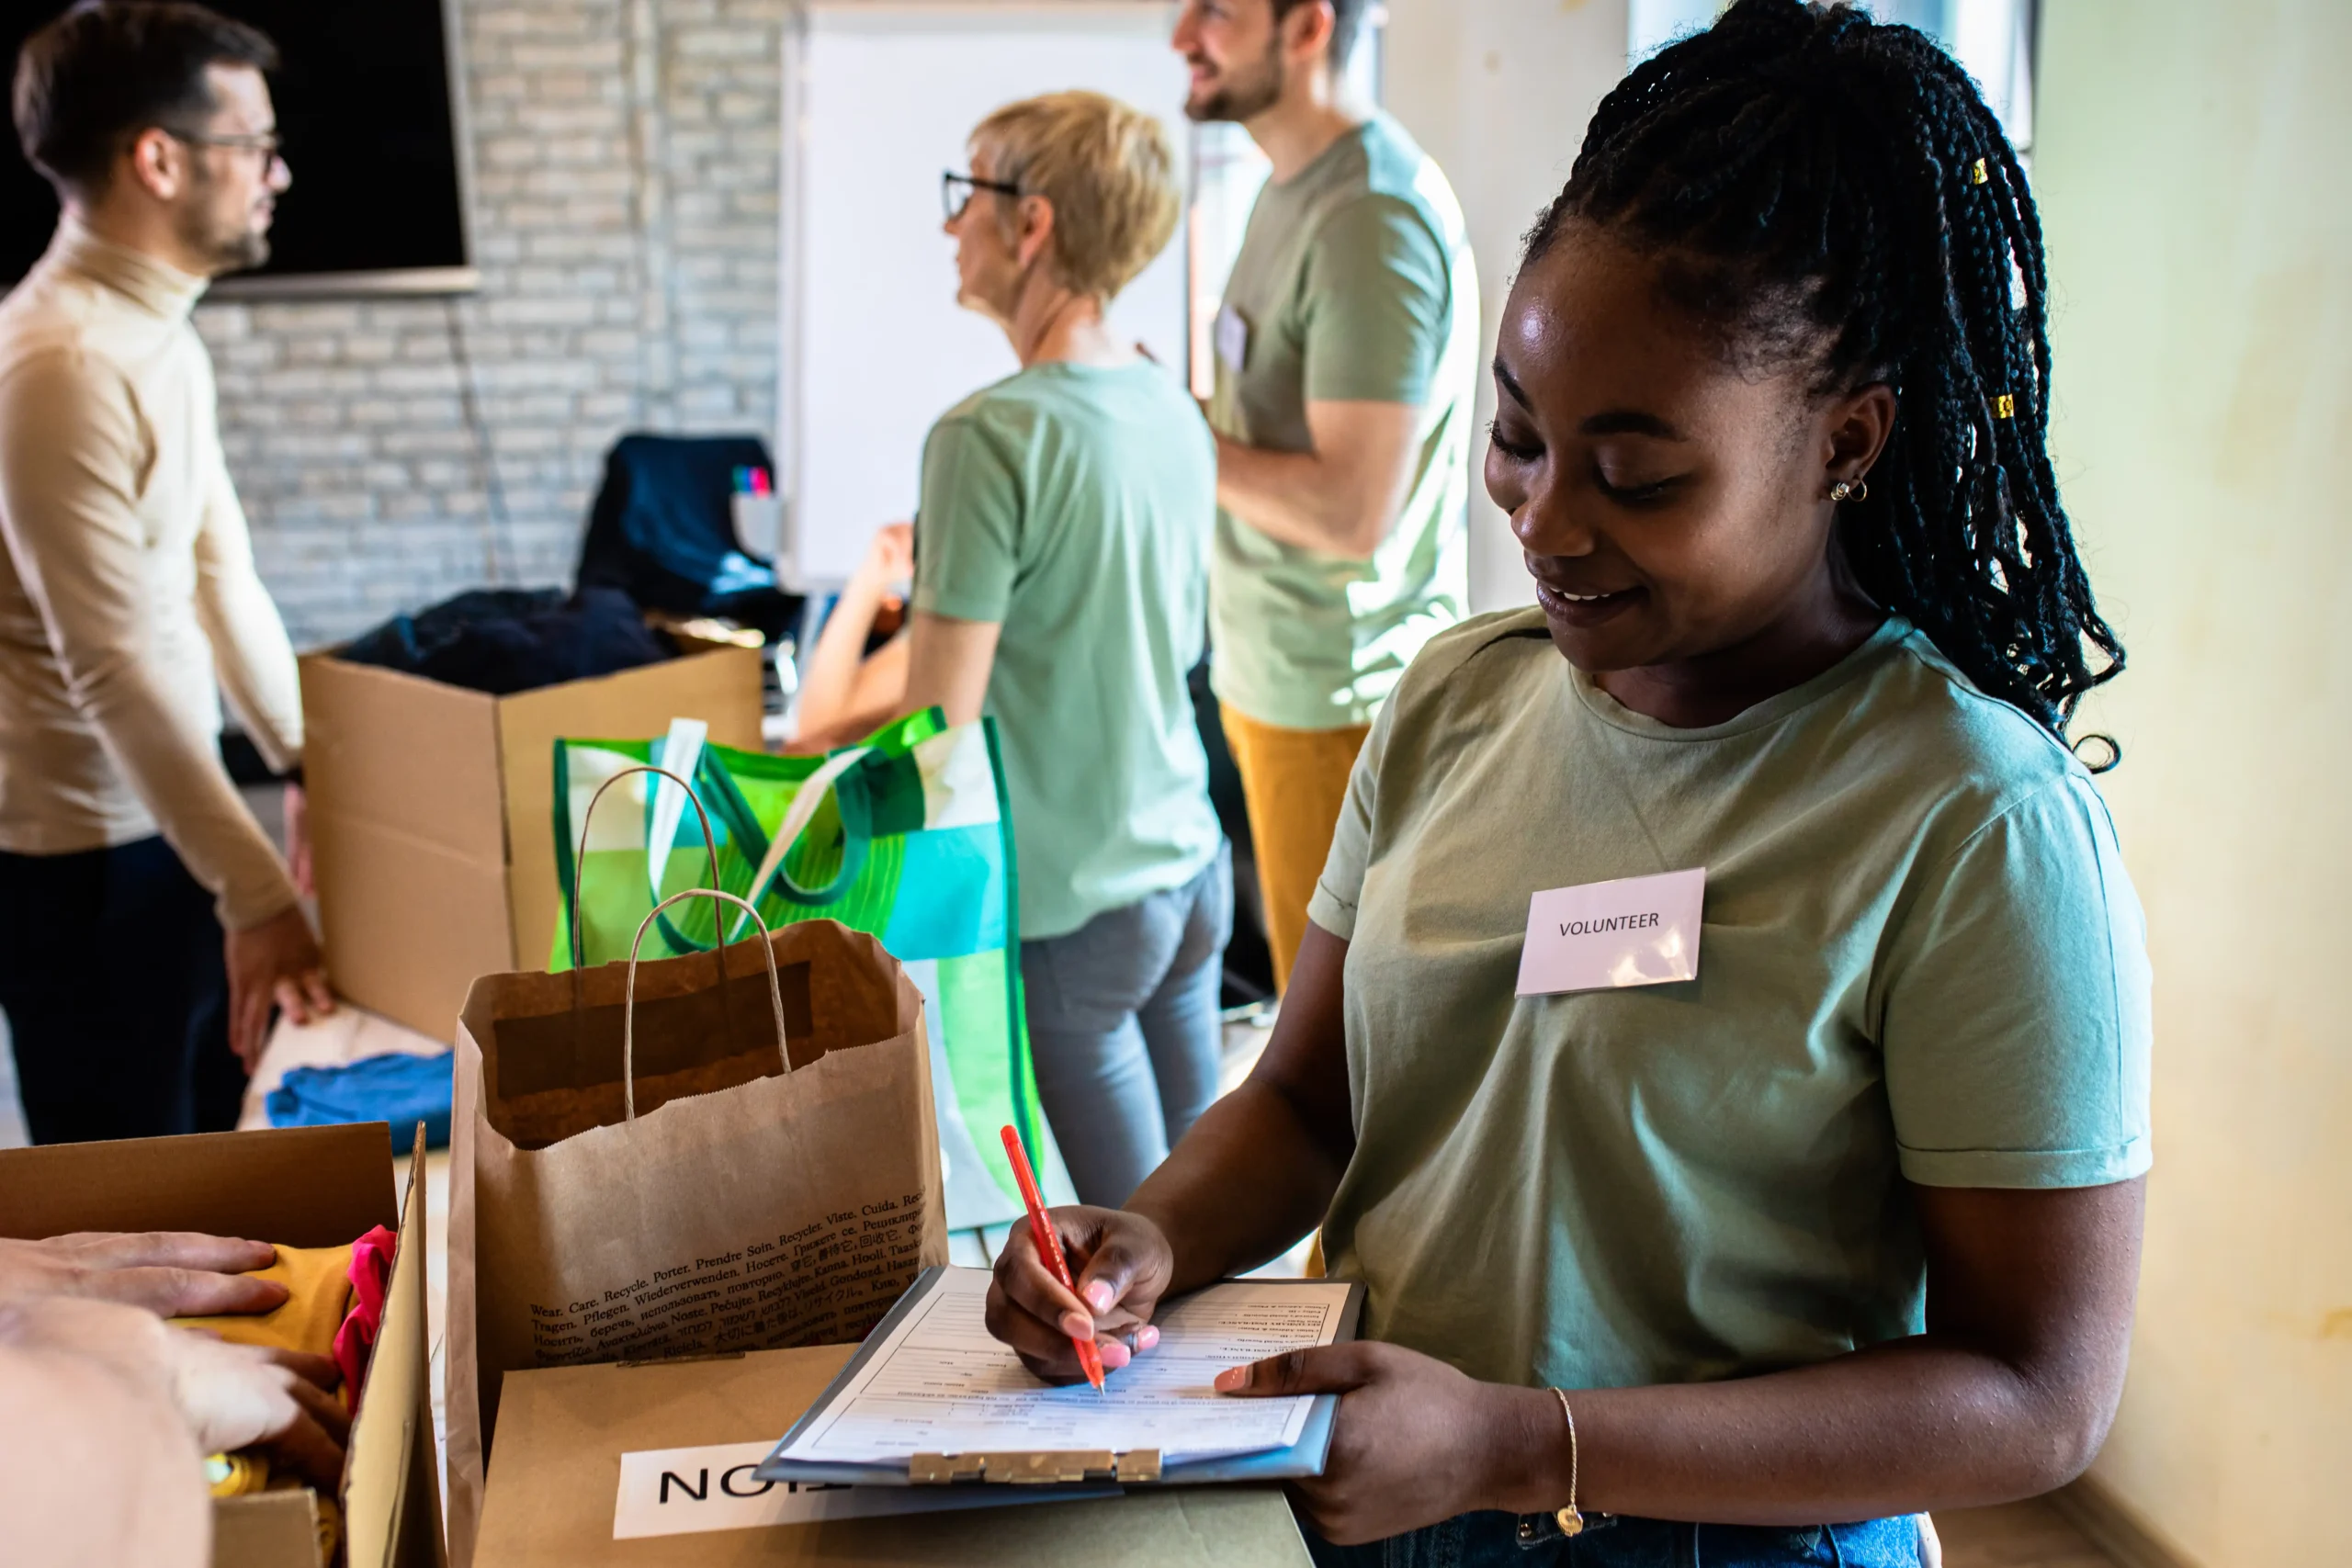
(2189,160)
(878,349)
(1499,91)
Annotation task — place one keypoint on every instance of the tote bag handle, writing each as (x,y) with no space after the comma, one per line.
(682,752)
(811,794)
(628,993)
(579,861)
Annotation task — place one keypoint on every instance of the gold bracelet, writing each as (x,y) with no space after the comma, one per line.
(1570,1521)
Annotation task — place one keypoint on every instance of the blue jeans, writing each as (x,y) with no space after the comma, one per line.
(1533,1540)
(1122,1024)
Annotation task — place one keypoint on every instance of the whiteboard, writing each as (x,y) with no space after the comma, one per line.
(879,101)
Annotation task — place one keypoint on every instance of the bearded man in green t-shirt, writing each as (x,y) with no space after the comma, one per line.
(1346,362)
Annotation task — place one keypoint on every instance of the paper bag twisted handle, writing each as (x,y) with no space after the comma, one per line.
(628,994)
(579,861)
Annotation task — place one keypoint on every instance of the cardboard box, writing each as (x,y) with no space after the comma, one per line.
(431,814)
(301,1187)
(555,1477)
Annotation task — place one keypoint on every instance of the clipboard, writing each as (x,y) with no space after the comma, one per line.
(1304,1457)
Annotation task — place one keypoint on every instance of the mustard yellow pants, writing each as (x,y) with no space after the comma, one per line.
(1293,783)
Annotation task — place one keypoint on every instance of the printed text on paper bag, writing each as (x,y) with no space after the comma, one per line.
(827,1282)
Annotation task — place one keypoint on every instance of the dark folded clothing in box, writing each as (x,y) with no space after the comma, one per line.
(504,640)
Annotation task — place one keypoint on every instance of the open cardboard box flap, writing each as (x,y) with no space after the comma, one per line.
(431,812)
(300,1187)
(555,1480)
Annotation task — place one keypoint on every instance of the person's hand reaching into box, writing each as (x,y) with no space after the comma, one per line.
(228,1396)
(243,1397)
(170,1273)
(103,1294)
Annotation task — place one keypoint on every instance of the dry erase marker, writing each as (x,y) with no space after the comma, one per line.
(1049,1246)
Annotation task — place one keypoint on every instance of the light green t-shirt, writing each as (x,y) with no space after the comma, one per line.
(1921,961)
(1355,284)
(1072,504)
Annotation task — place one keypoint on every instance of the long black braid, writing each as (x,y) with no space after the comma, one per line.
(1824,186)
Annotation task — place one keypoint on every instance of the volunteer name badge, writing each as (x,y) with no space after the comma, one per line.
(1639,931)
(1232,339)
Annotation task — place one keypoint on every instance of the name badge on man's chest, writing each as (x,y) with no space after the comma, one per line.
(1232,340)
(1640,930)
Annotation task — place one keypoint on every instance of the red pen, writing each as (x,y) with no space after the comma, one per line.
(1049,1246)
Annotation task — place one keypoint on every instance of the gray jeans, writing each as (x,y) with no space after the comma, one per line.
(1122,1024)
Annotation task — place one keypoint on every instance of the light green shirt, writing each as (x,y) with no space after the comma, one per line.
(1072,504)
(1355,284)
(1921,961)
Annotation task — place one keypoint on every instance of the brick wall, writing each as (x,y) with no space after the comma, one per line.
(624,156)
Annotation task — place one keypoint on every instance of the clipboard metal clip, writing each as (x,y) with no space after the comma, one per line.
(1036,1467)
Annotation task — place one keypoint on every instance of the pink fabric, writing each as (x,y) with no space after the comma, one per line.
(371,1275)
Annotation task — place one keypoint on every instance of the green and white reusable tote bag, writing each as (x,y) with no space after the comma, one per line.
(905,836)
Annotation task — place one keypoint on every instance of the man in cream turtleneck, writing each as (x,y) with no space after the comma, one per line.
(128,595)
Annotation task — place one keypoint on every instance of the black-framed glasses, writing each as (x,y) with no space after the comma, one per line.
(956,191)
(268,143)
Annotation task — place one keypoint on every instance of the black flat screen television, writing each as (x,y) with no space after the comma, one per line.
(367,103)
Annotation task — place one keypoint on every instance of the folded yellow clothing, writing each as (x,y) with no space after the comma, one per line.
(319,1282)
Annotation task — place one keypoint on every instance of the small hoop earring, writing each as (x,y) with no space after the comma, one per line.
(1853,489)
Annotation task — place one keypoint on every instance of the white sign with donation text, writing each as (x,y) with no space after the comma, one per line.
(1639,931)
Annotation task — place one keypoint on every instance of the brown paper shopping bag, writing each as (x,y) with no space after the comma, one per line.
(630,1182)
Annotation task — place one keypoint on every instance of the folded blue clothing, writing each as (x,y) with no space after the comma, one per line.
(398,1087)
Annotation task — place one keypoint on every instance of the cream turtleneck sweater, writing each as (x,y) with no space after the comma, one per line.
(128,595)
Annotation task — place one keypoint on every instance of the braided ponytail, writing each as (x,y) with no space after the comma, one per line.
(1821,186)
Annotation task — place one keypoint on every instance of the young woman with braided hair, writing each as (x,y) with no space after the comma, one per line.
(1846,1227)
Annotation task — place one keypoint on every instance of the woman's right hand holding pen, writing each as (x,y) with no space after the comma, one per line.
(1254,1175)
(1123,1266)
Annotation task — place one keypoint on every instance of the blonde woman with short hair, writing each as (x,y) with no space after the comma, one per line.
(1060,557)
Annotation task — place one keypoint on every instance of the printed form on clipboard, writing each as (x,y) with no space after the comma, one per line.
(930,1381)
